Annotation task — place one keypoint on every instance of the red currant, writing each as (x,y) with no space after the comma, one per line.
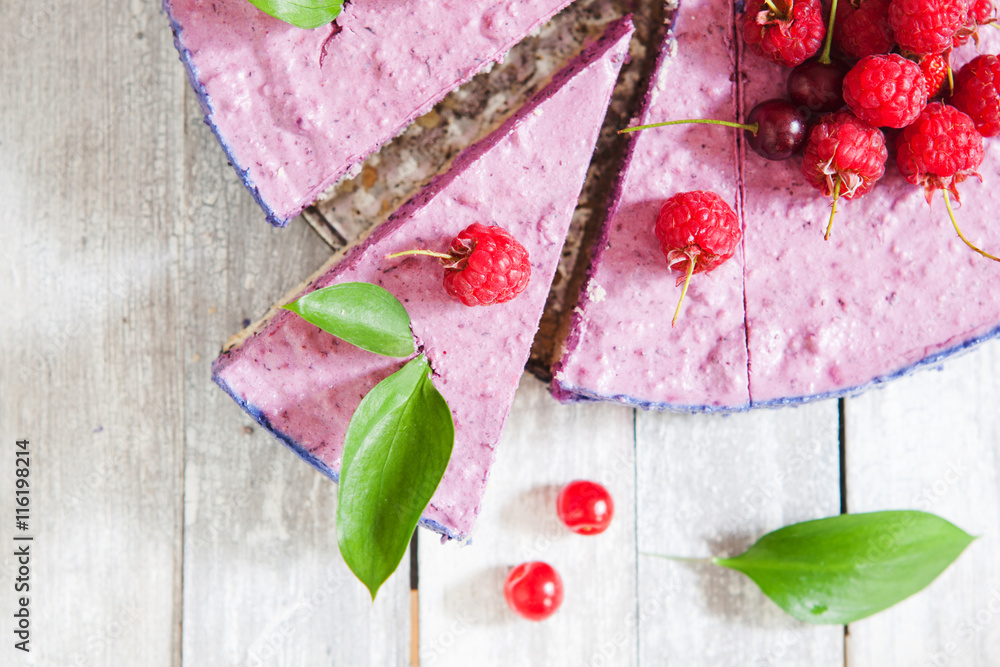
(534,590)
(585,507)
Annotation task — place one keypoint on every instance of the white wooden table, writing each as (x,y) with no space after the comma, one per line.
(170,530)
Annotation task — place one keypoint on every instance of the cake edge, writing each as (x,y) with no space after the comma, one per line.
(326,183)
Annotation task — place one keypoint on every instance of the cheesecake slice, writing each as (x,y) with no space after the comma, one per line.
(295,109)
(620,345)
(303,384)
(791,318)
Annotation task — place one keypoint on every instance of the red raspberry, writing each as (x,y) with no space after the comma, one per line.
(862,28)
(927,26)
(885,91)
(977,93)
(843,157)
(981,12)
(940,149)
(784,31)
(935,71)
(697,227)
(697,231)
(487,266)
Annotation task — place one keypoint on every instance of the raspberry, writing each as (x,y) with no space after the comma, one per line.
(862,28)
(487,265)
(885,91)
(940,149)
(977,93)
(981,12)
(935,71)
(843,157)
(697,232)
(927,26)
(784,31)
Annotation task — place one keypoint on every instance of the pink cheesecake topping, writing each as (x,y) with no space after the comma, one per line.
(304,385)
(792,317)
(295,109)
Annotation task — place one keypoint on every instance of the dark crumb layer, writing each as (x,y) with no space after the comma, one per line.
(390,177)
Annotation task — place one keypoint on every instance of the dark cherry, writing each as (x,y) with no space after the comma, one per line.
(781,129)
(818,87)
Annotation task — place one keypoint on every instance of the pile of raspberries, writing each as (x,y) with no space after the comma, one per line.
(901,80)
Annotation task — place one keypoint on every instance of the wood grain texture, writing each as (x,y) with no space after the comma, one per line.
(171,531)
(264,583)
(91,140)
(931,442)
(710,485)
(463,616)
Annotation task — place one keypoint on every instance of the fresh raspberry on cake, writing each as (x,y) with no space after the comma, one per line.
(862,28)
(927,26)
(885,91)
(981,12)
(785,31)
(842,148)
(487,265)
(843,157)
(977,93)
(940,149)
(697,232)
(935,70)
(697,229)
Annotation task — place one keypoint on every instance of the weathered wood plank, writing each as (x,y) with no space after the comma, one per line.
(264,583)
(932,442)
(463,616)
(90,150)
(710,486)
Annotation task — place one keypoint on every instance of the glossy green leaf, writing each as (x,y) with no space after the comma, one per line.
(395,453)
(362,314)
(847,567)
(301,13)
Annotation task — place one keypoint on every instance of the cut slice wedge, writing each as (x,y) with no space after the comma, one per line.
(304,385)
(620,345)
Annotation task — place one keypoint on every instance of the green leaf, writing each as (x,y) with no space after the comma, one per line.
(395,453)
(362,314)
(301,13)
(847,567)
